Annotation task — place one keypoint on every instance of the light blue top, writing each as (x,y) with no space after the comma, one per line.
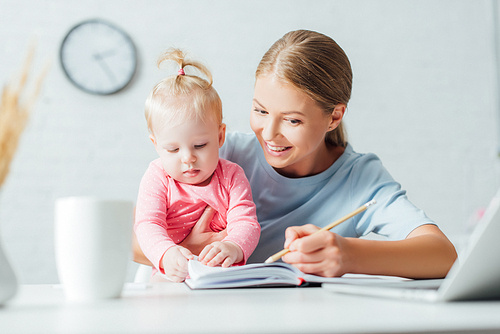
(350,182)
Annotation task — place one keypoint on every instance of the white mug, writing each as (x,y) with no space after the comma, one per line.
(93,239)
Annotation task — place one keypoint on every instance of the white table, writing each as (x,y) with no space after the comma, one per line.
(173,308)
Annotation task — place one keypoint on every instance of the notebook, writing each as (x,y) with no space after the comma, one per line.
(277,274)
(474,276)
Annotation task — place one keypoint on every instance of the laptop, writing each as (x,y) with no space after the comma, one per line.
(474,276)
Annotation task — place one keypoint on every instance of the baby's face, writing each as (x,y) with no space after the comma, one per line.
(189,152)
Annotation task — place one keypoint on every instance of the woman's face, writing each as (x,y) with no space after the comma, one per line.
(291,128)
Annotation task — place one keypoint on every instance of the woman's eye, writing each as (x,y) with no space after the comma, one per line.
(260,112)
(200,146)
(294,121)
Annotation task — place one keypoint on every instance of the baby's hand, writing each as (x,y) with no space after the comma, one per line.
(174,263)
(221,252)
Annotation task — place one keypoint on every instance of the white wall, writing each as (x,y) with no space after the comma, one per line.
(424,99)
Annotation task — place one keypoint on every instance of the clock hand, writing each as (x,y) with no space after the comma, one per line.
(104,66)
(105,54)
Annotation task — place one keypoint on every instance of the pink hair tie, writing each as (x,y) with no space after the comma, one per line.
(181,72)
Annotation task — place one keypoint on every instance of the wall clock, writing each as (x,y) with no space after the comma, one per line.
(98,57)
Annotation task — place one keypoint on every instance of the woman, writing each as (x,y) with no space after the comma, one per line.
(304,175)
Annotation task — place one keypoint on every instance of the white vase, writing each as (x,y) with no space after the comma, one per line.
(8,281)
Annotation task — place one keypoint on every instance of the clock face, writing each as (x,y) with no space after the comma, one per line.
(98,57)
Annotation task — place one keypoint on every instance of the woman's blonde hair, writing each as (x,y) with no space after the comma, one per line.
(315,64)
(182,97)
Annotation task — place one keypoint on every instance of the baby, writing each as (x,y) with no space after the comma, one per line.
(184,117)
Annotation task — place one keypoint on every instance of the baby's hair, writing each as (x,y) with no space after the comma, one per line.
(182,96)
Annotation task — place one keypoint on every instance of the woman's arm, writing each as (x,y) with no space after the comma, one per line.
(425,253)
(200,236)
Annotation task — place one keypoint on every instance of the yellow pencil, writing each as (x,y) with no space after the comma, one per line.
(362,208)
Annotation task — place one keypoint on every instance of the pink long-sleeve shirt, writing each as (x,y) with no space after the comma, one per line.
(167,210)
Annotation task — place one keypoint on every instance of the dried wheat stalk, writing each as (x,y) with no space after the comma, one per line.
(15,109)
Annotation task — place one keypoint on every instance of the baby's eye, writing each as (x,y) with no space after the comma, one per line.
(172,150)
(200,146)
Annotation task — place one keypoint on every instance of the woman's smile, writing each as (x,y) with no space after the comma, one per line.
(277,150)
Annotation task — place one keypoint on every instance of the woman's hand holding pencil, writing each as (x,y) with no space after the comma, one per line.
(362,208)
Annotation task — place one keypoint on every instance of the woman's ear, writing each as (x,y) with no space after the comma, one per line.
(222,134)
(337,116)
